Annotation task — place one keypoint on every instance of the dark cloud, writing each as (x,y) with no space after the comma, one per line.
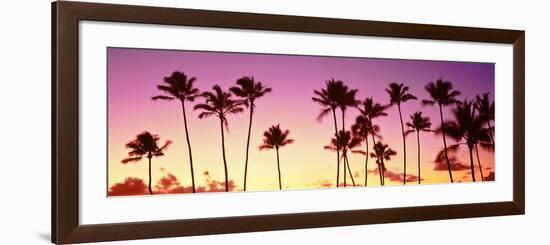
(490,176)
(455,165)
(130,186)
(168,184)
(396,177)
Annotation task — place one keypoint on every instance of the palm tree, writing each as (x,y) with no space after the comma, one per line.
(399,93)
(250,90)
(145,144)
(370,110)
(361,129)
(328,98)
(382,152)
(467,126)
(345,142)
(486,109)
(346,99)
(220,104)
(275,138)
(179,87)
(419,123)
(442,94)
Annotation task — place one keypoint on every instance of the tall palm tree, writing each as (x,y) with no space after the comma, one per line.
(275,138)
(346,99)
(467,129)
(328,98)
(486,110)
(442,94)
(220,104)
(250,90)
(399,93)
(362,129)
(369,110)
(417,124)
(382,152)
(179,87)
(346,143)
(145,145)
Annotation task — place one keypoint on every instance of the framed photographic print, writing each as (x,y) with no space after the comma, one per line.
(175,122)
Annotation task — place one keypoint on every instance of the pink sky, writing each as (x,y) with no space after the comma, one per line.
(134,73)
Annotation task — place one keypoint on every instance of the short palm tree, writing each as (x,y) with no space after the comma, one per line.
(417,124)
(370,110)
(220,104)
(275,138)
(145,145)
(467,129)
(250,90)
(399,93)
(328,98)
(486,110)
(442,94)
(362,129)
(382,152)
(346,142)
(179,87)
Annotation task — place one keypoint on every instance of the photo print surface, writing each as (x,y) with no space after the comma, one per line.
(204,121)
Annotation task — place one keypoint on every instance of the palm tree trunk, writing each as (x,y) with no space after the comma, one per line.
(345,176)
(472,164)
(279,169)
(479,164)
(248,143)
(188,145)
(349,170)
(404,146)
(366,158)
(418,143)
(150,190)
(337,150)
(383,173)
(224,160)
(379,169)
(491,132)
(445,143)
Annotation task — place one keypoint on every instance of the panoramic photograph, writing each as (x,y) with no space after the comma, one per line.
(183,122)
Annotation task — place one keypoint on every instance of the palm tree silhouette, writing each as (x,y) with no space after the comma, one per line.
(382,152)
(419,123)
(442,94)
(399,93)
(486,110)
(370,110)
(250,90)
(345,142)
(361,129)
(467,126)
(179,87)
(275,138)
(220,104)
(346,99)
(328,98)
(145,144)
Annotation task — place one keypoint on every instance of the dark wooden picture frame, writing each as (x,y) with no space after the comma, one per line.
(65,122)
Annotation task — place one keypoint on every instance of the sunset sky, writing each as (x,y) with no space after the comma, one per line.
(134,73)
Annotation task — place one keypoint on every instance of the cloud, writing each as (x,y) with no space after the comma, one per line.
(455,165)
(323,184)
(168,184)
(130,186)
(490,176)
(396,177)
